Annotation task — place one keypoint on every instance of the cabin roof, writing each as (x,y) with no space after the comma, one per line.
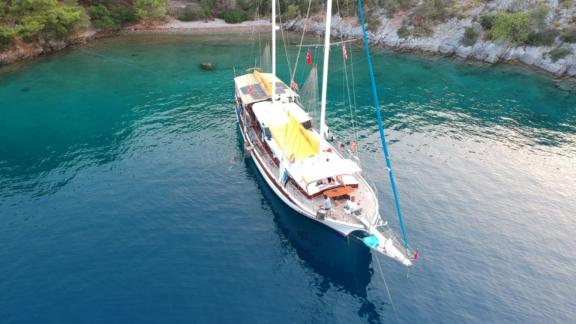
(250,89)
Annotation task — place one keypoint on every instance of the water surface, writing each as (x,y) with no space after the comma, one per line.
(124,196)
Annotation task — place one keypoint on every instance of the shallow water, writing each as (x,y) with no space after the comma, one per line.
(124,196)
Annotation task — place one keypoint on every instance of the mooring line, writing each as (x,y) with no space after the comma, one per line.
(387,289)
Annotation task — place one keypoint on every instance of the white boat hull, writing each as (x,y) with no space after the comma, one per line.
(387,246)
(342,228)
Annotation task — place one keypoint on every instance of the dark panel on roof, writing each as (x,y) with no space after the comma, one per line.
(255,91)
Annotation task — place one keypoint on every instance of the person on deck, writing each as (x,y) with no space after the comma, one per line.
(326,205)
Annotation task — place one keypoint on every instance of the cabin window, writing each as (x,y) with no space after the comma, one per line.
(267,133)
(307,124)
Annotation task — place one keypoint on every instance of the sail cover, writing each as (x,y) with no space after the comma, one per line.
(290,138)
(297,142)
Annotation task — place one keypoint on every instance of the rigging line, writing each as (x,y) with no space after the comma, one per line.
(355,105)
(256,54)
(381,272)
(380,123)
(347,83)
(284,40)
(301,41)
(387,289)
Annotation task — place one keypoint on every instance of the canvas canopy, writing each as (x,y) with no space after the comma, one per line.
(297,142)
(318,169)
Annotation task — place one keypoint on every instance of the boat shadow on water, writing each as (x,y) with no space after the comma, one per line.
(340,262)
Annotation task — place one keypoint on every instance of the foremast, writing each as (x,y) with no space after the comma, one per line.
(273,52)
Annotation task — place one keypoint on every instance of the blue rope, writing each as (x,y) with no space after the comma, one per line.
(380,124)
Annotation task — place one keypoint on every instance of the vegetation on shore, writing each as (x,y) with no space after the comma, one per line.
(33,21)
(43,21)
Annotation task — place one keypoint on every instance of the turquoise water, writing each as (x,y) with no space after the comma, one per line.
(124,196)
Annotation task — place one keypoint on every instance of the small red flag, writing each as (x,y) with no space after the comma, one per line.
(294,85)
(344,52)
(308,57)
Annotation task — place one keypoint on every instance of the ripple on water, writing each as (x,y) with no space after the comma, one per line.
(124,196)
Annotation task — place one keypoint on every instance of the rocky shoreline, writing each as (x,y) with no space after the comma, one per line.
(446,41)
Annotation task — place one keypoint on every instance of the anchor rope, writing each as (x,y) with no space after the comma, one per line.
(381,273)
(388,290)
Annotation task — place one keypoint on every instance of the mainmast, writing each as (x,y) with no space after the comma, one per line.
(273,51)
(325,68)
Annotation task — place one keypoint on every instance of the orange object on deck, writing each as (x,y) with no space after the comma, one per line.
(338,192)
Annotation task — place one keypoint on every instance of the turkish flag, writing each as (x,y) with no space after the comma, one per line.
(308,57)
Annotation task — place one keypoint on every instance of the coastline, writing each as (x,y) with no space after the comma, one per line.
(216,26)
(446,42)
(342,28)
(25,52)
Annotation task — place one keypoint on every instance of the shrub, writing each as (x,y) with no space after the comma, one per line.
(59,22)
(403,32)
(511,27)
(124,14)
(393,6)
(101,17)
(150,9)
(569,35)
(192,12)
(207,7)
(435,10)
(372,21)
(487,21)
(539,16)
(559,53)
(6,36)
(29,28)
(470,37)
(3,9)
(293,11)
(545,37)
(423,29)
(233,16)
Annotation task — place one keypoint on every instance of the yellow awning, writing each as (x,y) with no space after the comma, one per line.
(266,84)
(295,139)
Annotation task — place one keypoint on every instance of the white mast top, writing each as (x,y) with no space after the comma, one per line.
(273,51)
(325,68)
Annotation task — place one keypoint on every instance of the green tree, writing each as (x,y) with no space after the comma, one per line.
(3,8)
(293,11)
(207,7)
(7,33)
(47,18)
(150,9)
(124,14)
(101,17)
(511,27)
(234,16)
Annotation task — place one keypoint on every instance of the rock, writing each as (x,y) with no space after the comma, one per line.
(464,51)
(446,36)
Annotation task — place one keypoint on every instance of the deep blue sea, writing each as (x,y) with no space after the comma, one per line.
(125,197)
